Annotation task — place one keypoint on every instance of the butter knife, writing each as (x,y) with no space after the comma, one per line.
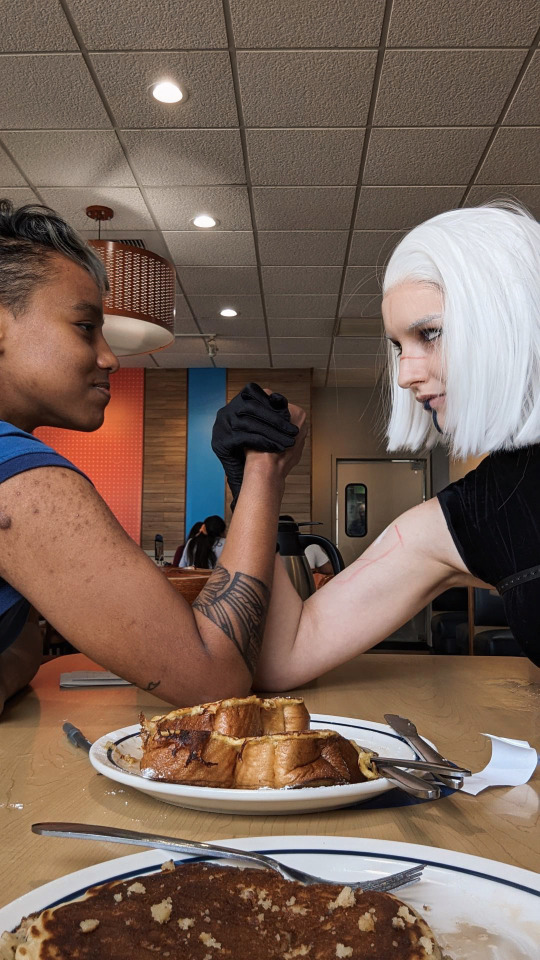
(408,731)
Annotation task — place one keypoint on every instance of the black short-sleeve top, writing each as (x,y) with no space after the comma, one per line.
(493,515)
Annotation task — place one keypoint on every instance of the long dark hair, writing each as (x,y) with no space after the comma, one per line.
(200,549)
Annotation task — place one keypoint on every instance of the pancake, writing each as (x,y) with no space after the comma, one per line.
(209,912)
(318,758)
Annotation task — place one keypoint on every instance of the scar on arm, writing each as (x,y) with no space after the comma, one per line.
(362,564)
(5,521)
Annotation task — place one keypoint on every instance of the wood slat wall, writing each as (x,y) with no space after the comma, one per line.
(296,386)
(164,471)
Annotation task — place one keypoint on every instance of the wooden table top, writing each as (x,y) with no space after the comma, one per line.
(453,700)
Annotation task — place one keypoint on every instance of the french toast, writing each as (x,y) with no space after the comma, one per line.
(248,743)
(316,758)
(210,912)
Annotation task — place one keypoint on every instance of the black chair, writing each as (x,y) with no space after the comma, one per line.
(453,606)
(499,641)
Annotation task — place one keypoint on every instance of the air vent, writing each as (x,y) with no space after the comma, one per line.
(131,243)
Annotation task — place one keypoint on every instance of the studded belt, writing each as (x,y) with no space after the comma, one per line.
(533,573)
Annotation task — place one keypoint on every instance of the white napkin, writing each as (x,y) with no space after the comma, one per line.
(512,763)
(92,678)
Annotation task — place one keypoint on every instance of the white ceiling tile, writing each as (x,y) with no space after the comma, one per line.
(360,327)
(398,208)
(206,248)
(233,327)
(316,88)
(194,346)
(127,79)
(524,106)
(300,24)
(220,280)
(130,210)
(133,25)
(208,307)
(360,305)
(300,345)
(300,360)
(445,87)
(177,361)
(70,158)
(301,280)
(35,25)
(144,360)
(183,157)
(513,155)
(279,327)
(9,175)
(182,310)
(18,195)
(304,306)
(51,90)
(527,195)
(361,280)
(460,23)
(175,207)
(363,346)
(424,155)
(302,248)
(247,346)
(373,246)
(303,208)
(251,361)
(302,157)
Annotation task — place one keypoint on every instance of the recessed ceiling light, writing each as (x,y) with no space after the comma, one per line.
(228,312)
(167,92)
(204,221)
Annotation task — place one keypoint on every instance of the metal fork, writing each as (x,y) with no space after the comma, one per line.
(90,831)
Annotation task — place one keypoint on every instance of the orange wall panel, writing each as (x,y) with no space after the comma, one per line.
(112,456)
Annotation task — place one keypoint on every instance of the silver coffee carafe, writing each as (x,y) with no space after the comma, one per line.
(292,544)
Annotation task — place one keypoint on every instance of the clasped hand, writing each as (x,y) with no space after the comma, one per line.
(257,420)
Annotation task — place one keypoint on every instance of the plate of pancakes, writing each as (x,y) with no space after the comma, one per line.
(463,908)
(231,761)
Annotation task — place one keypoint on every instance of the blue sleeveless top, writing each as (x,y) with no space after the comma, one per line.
(20,451)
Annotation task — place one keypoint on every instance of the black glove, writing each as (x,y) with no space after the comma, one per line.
(253,420)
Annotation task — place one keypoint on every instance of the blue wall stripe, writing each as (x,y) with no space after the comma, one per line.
(205,479)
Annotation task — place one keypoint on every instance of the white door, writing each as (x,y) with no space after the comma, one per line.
(370,494)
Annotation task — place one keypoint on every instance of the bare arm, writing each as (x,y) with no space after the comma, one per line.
(61,547)
(21,661)
(410,564)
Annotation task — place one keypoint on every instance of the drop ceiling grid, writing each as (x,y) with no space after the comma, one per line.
(304,85)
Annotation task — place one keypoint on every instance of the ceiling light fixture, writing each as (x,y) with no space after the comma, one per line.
(204,221)
(167,92)
(228,312)
(139,307)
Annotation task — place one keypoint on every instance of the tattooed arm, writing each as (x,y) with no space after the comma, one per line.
(413,561)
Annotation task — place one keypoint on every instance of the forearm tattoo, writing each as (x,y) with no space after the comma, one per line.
(237,603)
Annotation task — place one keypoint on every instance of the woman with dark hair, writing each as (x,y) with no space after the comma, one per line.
(180,550)
(204,549)
(61,549)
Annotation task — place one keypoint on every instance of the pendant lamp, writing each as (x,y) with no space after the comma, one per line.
(139,308)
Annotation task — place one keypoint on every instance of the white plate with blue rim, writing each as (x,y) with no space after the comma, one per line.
(116,755)
(478,909)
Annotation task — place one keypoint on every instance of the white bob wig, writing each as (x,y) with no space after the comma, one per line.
(486,263)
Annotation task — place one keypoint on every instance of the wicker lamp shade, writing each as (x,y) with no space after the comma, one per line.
(139,308)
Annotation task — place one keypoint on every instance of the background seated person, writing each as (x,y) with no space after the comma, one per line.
(204,549)
(318,559)
(179,550)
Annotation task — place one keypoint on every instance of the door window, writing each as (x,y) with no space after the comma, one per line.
(355,510)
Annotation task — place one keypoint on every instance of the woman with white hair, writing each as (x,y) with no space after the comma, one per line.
(461,299)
